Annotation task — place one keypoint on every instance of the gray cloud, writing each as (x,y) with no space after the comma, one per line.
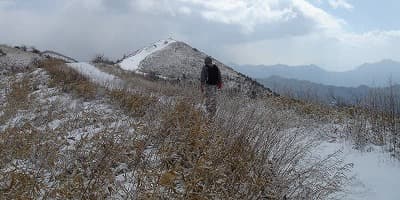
(83,28)
(291,32)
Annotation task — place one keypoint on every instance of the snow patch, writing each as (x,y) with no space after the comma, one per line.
(97,76)
(55,124)
(132,62)
(377,174)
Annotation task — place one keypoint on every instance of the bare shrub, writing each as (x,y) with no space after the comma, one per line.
(296,174)
(34,50)
(239,155)
(100,58)
(152,76)
(22,47)
(2,53)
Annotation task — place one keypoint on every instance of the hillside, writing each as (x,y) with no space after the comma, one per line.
(318,93)
(370,74)
(98,131)
(12,58)
(174,60)
(22,57)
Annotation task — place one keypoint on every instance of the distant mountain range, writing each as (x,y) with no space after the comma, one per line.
(315,92)
(332,95)
(369,74)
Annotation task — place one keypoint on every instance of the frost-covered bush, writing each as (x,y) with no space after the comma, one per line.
(100,58)
(2,53)
(34,50)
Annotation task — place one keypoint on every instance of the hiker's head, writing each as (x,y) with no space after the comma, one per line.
(208,61)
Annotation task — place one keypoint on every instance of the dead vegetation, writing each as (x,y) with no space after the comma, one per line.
(197,161)
(134,104)
(173,152)
(2,53)
(68,79)
(100,58)
(17,96)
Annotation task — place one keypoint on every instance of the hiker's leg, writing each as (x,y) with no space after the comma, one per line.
(213,106)
(211,101)
(208,98)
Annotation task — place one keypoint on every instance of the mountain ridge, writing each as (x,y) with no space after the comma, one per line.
(371,74)
(175,60)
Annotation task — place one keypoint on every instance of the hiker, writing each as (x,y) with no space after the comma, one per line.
(210,81)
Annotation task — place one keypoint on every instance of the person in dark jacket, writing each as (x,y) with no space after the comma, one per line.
(211,80)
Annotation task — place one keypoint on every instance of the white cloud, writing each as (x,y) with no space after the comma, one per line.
(250,14)
(323,20)
(246,13)
(340,4)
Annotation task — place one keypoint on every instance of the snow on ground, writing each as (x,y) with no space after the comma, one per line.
(377,175)
(132,62)
(16,57)
(96,75)
(68,119)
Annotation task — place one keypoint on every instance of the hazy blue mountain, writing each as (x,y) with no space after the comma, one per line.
(370,74)
(326,94)
(315,92)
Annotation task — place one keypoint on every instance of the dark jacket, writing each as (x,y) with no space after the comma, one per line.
(205,79)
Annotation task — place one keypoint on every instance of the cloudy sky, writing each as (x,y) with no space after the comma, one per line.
(334,34)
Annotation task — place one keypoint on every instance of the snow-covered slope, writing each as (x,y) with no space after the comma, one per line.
(179,61)
(97,76)
(133,61)
(377,176)
(16,58)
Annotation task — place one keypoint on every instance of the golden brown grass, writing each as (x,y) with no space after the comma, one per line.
(17,98)
(176,152)
(135,104)
(69,79)
(24,154)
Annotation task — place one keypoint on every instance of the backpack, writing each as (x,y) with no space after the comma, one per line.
(213,75)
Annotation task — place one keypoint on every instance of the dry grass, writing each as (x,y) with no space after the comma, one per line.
(135,104)
(240,155)
(17,98)
(144,84)
(34,165)
(176,152)
(69,79)
(196,161)
(25,155)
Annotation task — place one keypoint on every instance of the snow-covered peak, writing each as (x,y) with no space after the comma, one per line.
(132,62)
